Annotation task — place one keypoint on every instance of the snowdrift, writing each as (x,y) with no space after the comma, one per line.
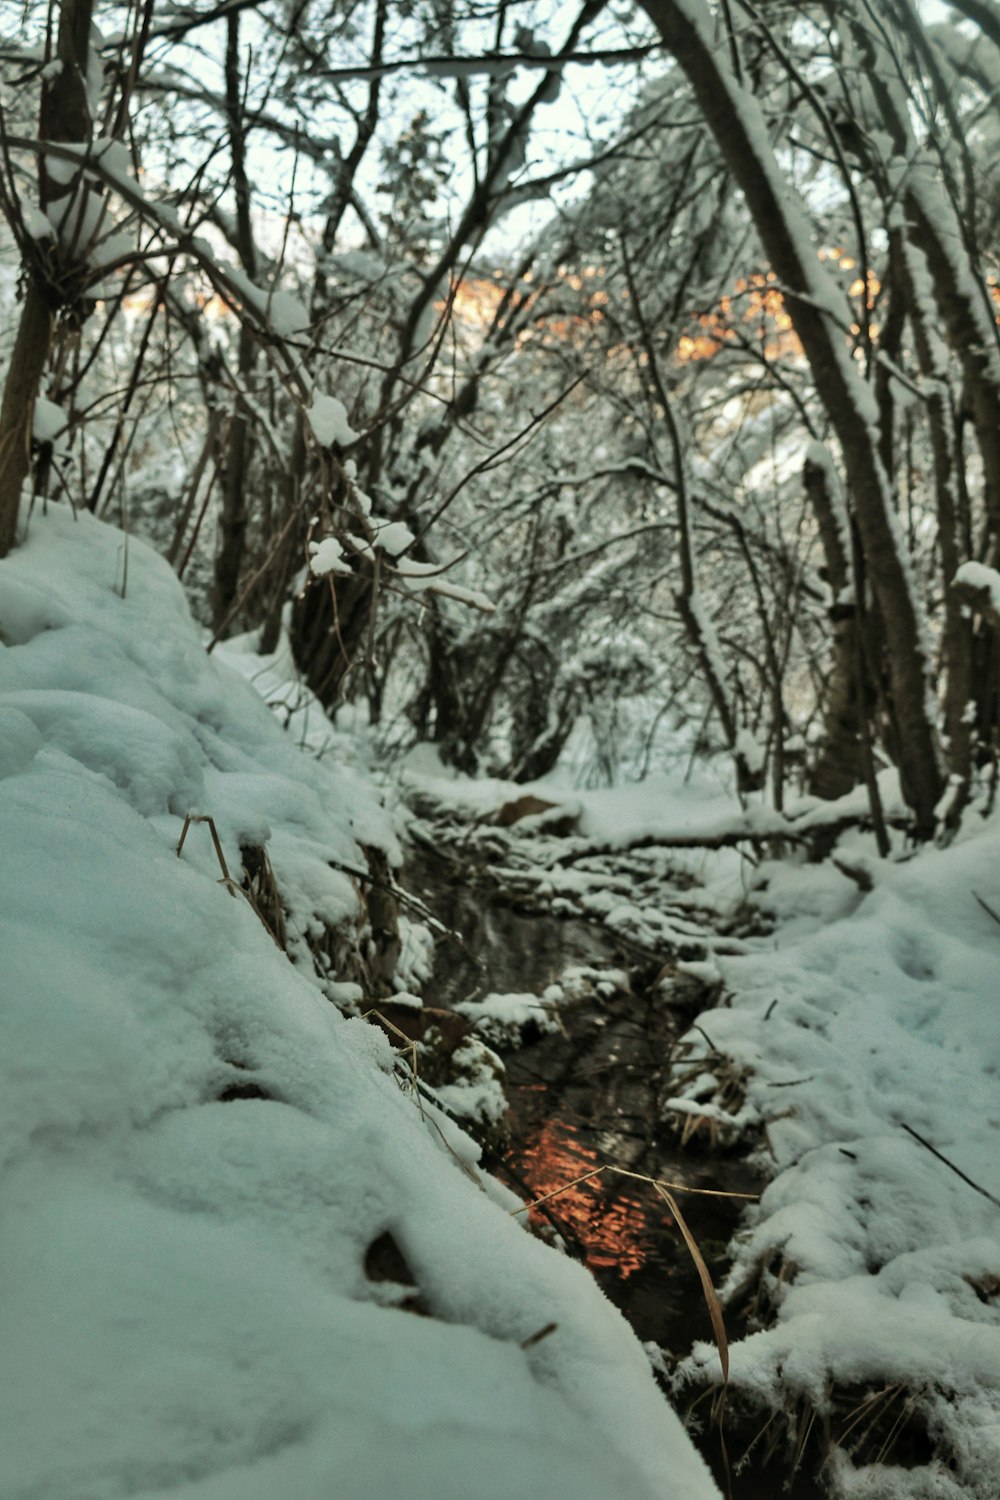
(867,1025)
(199,1153)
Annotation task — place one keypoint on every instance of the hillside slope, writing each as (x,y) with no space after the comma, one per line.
(199,1154)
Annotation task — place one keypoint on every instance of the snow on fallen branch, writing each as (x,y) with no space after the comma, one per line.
(757,826)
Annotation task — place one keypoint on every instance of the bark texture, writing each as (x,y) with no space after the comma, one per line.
(738,127)
(64,116)
(31,350)
(838,767)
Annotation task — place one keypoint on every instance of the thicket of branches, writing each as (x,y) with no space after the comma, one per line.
(670,329)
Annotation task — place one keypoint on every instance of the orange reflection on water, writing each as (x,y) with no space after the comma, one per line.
(615,1226)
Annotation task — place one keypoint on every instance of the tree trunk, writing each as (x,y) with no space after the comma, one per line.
(234,516)
(740,131)
(64,116)
(838,768)
(327,635)
(239,441)
(916,280)
(954,283)
(24,376)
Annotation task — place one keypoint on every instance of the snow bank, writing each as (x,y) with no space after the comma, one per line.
(864,1019)
(198,1153)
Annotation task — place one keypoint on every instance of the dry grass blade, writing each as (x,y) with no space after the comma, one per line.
(677,1187)
(906,1407)
(866,1412)
(708,1290)
(227,879)
(680,1187)
(805,1431)
(527,1207)
(409,1047)
(718,1326)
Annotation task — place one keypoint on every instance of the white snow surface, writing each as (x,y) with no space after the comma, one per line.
(976,575)
(327,416)
(328,557)
(501,1018)
(863,1015)
(393,536)
(185,1311)
(49,420)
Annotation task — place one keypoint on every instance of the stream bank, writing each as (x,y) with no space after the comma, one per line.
(591,1091)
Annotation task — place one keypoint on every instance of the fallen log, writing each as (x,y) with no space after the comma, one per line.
(762,827)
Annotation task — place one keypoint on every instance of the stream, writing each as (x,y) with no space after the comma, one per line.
(592,1094)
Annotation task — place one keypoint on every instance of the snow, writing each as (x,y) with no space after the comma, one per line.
(49,420)
(287,314)
(501,1018)
(113,247)
(114,156)
(77,217)
(418,578)
(328,419)
(978,576)
(749,749)
(36,224)
(61,171)
(282,310)
(328,557)
(875,1017)
(479,1094)
(185,1306)
(393,537)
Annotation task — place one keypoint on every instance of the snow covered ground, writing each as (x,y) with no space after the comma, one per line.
(237,1260)
(203,1164)
(863,1019)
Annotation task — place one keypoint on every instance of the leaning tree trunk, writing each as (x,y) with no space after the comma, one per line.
(954,283)
(962,687)
(64,116)
(235,468)
(849,691)
(740,131)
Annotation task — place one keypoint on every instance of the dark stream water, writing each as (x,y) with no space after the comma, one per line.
(592,1095)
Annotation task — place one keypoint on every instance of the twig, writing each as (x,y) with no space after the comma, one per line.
(679,1187)
(987,908)
(414,903)
(409,1047)
(536,1338)
(957,1170)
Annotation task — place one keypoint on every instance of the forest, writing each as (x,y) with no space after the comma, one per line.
(499,745)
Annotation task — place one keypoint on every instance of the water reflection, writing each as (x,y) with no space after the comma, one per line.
(618,1226)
